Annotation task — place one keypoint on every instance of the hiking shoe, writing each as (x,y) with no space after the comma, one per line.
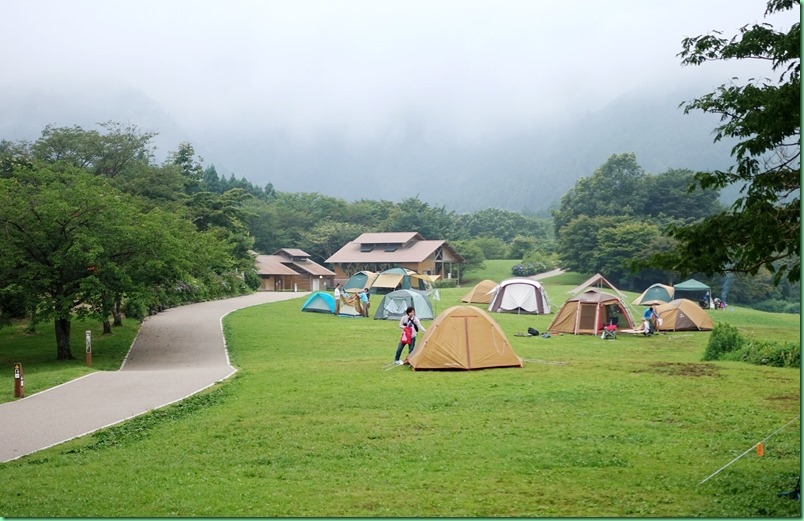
(398,362)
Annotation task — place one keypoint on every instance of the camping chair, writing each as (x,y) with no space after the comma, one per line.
(610,329)
(609,332)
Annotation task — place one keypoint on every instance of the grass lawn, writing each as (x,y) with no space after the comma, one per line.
(315,424)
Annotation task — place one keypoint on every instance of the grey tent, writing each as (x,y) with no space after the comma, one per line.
(394,304)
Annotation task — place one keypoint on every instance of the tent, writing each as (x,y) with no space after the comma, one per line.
(319,302)
(696,291)
(683,315)
(587,313)
(463,337)
(400,278)
(350,306)
(519,295)
(393,305)
(655,294)
(481,293)
(597,281)
(359,281)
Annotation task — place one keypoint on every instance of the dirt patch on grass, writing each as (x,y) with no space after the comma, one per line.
(682,369)
(784,398)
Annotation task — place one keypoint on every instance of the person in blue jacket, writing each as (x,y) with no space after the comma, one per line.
(650,320)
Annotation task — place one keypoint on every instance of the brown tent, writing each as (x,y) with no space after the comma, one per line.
(587,313)
(481,293)
(683,315)
(463,337)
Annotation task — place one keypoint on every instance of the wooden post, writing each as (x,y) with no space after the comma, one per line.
(89,348)
(19,384)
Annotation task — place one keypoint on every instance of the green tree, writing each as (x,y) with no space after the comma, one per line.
(327,237)
(109,154)
(616,188)
(492,247)
(190,165)
(579,240)
(763,227)
(668,197)
(608,245)
(500,224)
(619,245)
(59,230)
(521,246)
(471,253)
(417,216)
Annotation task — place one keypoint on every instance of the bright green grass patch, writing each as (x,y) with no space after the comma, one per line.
(315,424)
(496,270)
(37,354)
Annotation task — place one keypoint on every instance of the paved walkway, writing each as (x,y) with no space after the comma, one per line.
(547,274)
(177,353)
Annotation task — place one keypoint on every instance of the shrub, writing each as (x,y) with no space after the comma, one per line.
(445,283)
(773,354)
(526,269)
(725,338)
(778,306)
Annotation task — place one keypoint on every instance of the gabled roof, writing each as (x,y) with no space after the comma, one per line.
(292,252)
(312,267)
(394,247)
(388,238)
(283,265)
(272,265)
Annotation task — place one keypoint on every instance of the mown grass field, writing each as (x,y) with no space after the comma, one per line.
(316,424)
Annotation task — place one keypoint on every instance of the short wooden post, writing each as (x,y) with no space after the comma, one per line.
(19,384)
(89,348)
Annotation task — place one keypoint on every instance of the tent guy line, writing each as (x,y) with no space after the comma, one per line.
(763,440)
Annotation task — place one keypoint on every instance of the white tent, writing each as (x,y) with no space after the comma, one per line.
(520,295)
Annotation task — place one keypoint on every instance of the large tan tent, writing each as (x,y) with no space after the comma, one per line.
(587,313)
(463,337)
(683,315)
(481,293)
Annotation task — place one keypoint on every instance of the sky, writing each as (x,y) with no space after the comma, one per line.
(367,71)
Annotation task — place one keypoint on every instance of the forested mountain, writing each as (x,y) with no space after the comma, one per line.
(521,170)
(525,171)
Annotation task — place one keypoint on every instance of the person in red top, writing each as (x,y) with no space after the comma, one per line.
(408,320)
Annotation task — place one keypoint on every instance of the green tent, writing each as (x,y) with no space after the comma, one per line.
(696,291)
(655,294)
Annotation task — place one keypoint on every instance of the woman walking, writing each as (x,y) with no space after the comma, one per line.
(411,322)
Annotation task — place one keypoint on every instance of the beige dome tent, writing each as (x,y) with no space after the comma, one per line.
(463,337)
(683,315)
(587,313)
(481,293)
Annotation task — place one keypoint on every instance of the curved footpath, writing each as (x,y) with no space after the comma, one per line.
(176,354)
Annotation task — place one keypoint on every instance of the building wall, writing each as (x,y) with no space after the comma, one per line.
(295,282)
